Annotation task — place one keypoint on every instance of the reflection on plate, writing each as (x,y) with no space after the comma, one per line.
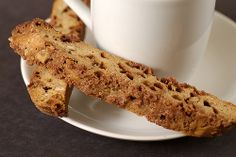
(216,74)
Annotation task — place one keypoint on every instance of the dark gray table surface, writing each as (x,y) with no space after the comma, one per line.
(26,132)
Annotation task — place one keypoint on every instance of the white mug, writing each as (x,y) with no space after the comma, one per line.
(168,35)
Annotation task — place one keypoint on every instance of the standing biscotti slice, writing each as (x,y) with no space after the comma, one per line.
(129,85)
(50,94)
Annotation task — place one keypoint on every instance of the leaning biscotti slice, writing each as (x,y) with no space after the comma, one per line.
(129,85)
(64,20)
(49,94)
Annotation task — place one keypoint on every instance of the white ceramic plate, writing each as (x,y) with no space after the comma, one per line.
(216,74)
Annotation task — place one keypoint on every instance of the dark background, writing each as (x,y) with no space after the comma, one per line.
(26,132)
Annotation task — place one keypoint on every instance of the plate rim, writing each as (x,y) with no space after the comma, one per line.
(117,135)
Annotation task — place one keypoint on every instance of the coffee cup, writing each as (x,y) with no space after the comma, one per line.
(168,35)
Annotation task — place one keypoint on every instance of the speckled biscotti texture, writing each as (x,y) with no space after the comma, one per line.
(49,94)
(64,20)
(129,85)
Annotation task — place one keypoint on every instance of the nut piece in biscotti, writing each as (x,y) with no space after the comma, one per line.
(50,94)
(129,85)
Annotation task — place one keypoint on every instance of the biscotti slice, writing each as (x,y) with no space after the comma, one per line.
(129,85)
(49,94)
(64,20)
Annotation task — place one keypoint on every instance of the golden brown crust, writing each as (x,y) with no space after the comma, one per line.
(49,94)
(129,85)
